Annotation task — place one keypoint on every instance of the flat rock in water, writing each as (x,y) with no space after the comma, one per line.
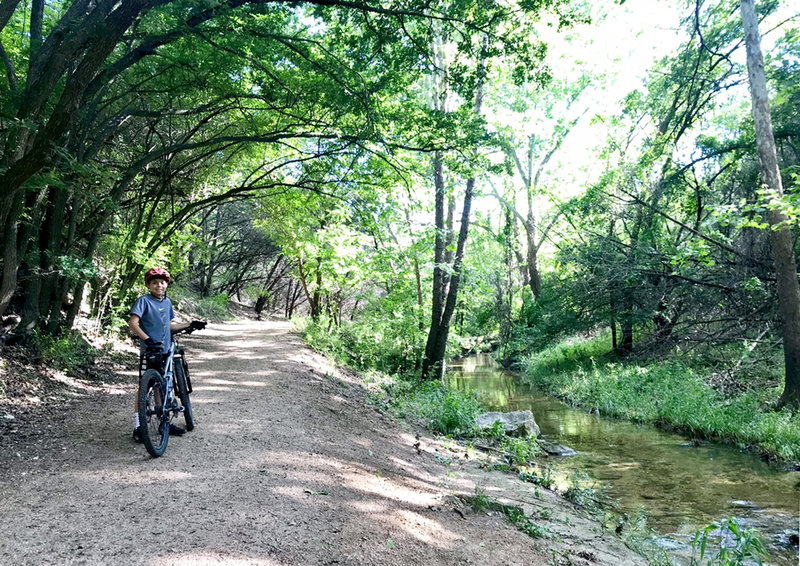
(556,449)
(519,423)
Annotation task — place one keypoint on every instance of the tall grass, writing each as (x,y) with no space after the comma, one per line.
(669,393)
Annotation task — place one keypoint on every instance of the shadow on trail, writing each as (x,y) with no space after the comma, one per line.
(286,466)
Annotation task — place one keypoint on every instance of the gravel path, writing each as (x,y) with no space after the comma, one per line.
(288,465)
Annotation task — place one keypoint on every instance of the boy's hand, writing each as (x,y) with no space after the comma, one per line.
(150,343)
(197,325)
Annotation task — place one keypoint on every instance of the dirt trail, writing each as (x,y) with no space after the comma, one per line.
(287,466)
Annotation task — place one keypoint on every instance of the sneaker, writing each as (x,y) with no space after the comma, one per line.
(137,434)
(176,430)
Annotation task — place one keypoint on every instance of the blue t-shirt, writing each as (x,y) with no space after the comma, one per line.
(155,317)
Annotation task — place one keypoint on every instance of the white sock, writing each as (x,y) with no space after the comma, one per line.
(136,419)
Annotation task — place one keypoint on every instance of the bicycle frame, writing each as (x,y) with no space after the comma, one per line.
(167,371)
(168,375)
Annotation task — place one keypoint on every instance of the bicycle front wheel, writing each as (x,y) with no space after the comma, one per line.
(153,420)
(182,387)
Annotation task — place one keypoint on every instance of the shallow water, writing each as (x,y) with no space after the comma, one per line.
(681,487)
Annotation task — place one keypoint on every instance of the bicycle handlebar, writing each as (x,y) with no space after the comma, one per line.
(187,330)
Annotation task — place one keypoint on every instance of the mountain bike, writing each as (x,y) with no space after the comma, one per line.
(164,382)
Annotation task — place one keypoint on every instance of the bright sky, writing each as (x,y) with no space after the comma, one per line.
(622,47)
(625,42)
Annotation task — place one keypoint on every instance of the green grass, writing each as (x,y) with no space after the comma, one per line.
(481,502)
(392,383)
(520,450)
(388,346)
(669,393)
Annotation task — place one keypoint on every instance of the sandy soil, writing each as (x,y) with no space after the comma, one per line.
(288,465)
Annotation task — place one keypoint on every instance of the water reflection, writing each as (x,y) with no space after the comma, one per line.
(682,487)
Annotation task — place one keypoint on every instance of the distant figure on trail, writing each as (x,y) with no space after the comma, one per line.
(151,320)
(261,302)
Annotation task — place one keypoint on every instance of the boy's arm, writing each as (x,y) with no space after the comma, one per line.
(175,326)
(134,326)
(193,325)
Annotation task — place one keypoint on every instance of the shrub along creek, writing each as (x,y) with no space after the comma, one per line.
(639,473)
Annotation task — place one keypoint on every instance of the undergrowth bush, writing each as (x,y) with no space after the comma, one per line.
(727,544)
(66,352)
(520,450)
(214,309)
(445,411)
(390,345)
(543,478)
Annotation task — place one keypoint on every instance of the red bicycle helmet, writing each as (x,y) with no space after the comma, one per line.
(157,273)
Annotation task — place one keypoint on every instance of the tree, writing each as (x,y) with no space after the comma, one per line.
(199,83)
(647,230)
(781,237)
(544,136)
(446,281)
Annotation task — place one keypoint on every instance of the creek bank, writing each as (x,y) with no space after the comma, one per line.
(668,395)
(520,423)
(558,450)
(648,475)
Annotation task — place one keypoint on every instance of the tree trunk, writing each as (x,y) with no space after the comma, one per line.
(613,321)
(626,344)
(287,311)
(433,365)
(10,257)
(315,300)
(780,236)
(534,277)
(437,302)
(442,314)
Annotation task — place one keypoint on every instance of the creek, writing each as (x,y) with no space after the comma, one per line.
(680,487)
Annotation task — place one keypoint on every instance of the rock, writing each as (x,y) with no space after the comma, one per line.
(556,449)
(669,544)
(519,423)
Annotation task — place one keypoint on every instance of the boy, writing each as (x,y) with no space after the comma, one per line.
(151,320)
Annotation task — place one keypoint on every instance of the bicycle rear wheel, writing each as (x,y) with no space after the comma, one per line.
(182,387)
(153,421)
